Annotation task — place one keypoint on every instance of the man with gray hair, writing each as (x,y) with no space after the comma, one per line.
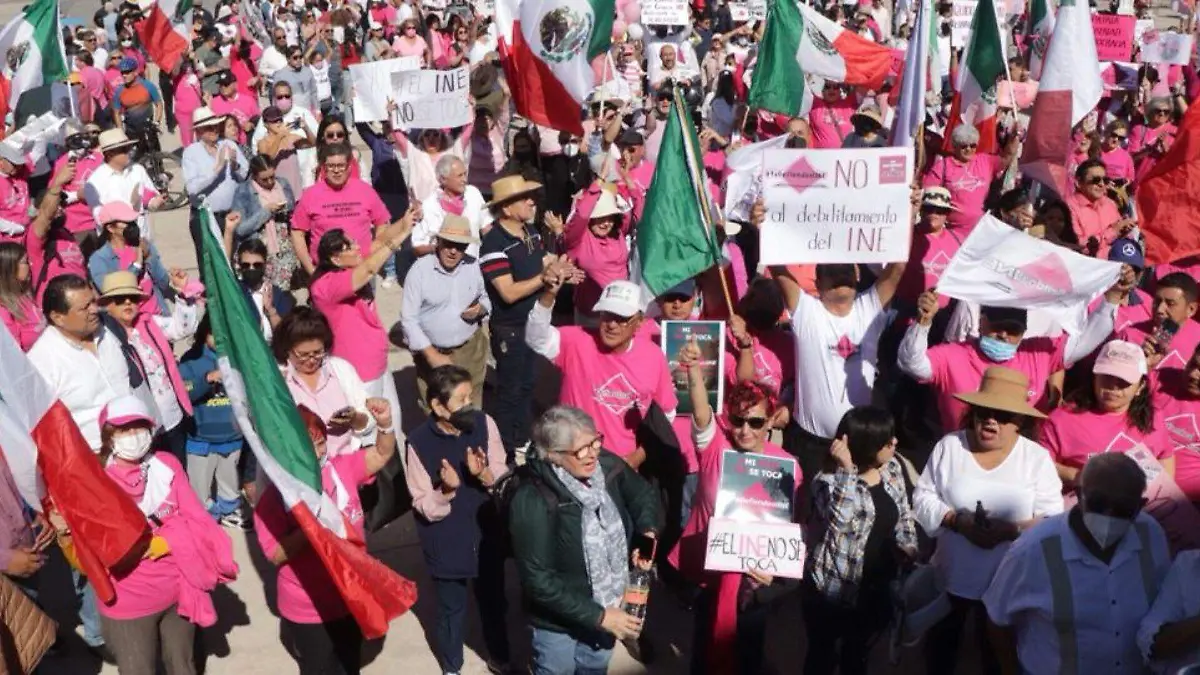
(968,173)
(1071,592)
(455,197)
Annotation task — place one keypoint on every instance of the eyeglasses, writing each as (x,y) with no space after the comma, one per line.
(756,423)
(309,356)
(253,266)
(588,448)
(336,168)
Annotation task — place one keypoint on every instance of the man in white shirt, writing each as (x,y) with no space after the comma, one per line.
(837,338)
(80,360)
(1070,594)
(274,57)
(119,179)
(455,197)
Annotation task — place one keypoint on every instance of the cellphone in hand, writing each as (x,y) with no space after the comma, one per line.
(1164,334)
(344,416)
(645,546)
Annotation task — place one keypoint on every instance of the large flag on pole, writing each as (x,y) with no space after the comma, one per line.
(910,113)
(1069,89)
(33,40)
(983,64)
(1041,25)
(799,41)
(675,236)
(1168,198)
(53,464)
(166,32)
(272,427)
(548,47)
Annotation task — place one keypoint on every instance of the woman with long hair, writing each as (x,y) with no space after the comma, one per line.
(18,310)
(266,203)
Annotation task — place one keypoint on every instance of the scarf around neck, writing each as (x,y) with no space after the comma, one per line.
(605,544)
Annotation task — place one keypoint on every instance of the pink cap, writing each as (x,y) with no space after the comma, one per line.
(1123,360)
(113,212)
(124,410)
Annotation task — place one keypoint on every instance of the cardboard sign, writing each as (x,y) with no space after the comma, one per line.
(837,206)
(755,488)
(1165,47)
(1167,502)
(372,84)
(665,13)
(773,548)
(710,337)
(1114,36)
(431,99)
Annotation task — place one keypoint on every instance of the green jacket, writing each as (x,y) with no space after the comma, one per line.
(548,547)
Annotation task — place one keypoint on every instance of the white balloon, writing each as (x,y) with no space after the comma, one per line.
(635,31)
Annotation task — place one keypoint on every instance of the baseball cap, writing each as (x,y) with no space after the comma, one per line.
(622,298)
(125,410)
(630,137)
(687,288)
(226,78)
(1127,251)
(127,65)
(117,211)
(1122,360)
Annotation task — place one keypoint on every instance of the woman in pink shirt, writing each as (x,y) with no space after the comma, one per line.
(932,248)
(316,626)
(1149,142)
(966,174)
(1116,158)
(594,237)
(20,314)
(162,597)
(409,43)
(1113,412)
(188,97)
(1177,404)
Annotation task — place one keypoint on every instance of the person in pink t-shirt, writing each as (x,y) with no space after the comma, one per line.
(1171,335)
(594,236)
(1116,158)
(1134,305)
(1177,408)
(80,219)
(231,101)
(1149,142)
(757,349)
(933,246)
(606,372)
(14,193)
(316,626)
(829,119)
(967,174)
(1113,412)
(409,43)
(336,201)
(53,248)
(1095,218)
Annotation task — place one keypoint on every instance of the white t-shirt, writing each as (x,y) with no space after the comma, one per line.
(1023,486)
(835,360)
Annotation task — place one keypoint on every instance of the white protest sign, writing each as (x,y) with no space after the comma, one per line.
(961,12)
(739,11)
(372,84)
(431,99)
(37,133)
(739,546)
(1004,267)
(1140,28)
(758,10)
(665,13)
(744,184)
(837,206)
(1166,47)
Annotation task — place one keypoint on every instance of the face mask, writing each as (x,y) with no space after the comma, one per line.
(997,350)
(463,419)
(253,278)
(571,150)
(132,447)
(1106,530)
(284,105)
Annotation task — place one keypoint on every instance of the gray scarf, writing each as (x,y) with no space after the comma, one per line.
(605,546)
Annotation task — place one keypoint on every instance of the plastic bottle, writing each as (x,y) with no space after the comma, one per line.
(637,593)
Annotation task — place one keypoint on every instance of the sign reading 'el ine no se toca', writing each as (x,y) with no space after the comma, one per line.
(837,206)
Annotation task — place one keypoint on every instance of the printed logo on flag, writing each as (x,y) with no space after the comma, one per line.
(891,170)
(1046,275)
(564,34)
(1184,433)
(616,394)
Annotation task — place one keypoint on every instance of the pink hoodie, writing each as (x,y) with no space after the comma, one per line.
(604,259)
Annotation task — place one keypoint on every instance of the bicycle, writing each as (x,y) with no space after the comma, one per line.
(148,152)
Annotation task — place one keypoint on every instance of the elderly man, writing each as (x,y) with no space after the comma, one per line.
(274,57)
(445,304)
(243,107)
(1095,218)
(967,174)
(1070,594)
(212,169)
(120,179)
(301,79)
(453,197)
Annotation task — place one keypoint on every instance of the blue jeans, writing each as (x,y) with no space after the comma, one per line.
(89,615)
(560,654)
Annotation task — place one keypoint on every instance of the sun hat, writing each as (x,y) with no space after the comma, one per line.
(120,284)
(456,229)
(510,187)
(1123,360)
(116,212)
(622,298)
(606,205)
(937,197)
(113,139)
(1002,389)
(124,410)
(870,112)
(205,117)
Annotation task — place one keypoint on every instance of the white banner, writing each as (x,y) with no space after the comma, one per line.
(1004,267)
(837,206)
(665,13)
(372,84)
(776,549)
(1166,47)
(431,99)
(961,12)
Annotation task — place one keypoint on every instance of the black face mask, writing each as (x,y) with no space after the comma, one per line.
(253,278)
(463,419)
(132,235)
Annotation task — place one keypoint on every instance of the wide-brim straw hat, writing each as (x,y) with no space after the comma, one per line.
(113,139)
(1002,389)
(119,284)
(456,229)
(511,187)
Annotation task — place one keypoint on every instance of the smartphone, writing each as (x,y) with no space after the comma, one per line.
(1164,334)
(645,546)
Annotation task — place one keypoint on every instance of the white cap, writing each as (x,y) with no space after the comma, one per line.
(622,298)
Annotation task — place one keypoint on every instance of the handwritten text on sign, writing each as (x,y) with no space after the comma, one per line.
(372,84)
(665,12)
(431,99)
(1166,47)
(737,546)
(1114,36)
(837,206)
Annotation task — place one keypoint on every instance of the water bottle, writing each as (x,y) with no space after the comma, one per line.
(637,593)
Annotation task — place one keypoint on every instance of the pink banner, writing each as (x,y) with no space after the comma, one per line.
(1114,36)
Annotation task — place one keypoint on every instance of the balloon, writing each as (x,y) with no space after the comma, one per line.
(632,13)
(635,32)
(618,29)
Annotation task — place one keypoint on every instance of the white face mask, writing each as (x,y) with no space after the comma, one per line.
(132,447)
(1106,530)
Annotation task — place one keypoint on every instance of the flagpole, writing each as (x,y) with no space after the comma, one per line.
(600,115)
(62,49)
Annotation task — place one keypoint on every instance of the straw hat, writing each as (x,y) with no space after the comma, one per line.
(456,229)
(120,284)
(205,117)
(608,204)
(937,197)
(870,112)
(113,139)
(1002,389)
(511,187)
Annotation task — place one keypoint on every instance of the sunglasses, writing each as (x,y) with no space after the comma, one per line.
(1095,180)
(253,266)
(283,97)
(756,423)
(125,300)
(969,146)
(1000,416)
(335,135)
(1160,112)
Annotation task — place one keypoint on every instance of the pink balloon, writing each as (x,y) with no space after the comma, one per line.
(632,13)
(618,30)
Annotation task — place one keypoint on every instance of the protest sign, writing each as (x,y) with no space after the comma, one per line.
(372,84)
(665,13)
(739,11)
(773,548)
(836,206)
(710,337)
(961,12)
(1004,267)
(755,487)
(431,99)
(1166,47)
(1140,28)
(1114,36)
(1167,503)
(758,10)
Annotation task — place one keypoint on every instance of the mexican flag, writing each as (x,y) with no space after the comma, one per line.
(166,32)
(800,42)
(1041,25)
(34,41)
(983,64)
(267,417)
(675,236)
(54,467)
(548,48)
(1070,87)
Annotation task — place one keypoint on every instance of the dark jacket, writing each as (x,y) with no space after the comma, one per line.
(548,544)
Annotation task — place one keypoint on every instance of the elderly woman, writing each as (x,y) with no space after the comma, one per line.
(265,203)
(571,527)
(983,486)
(594,236)
(967,174)
(1149,142)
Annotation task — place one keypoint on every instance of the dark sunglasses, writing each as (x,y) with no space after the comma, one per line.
(1001,416)
(969,146)
(282,97)
(1095,180)
(125,300)
(335,134)
(756,423)
(253,266)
